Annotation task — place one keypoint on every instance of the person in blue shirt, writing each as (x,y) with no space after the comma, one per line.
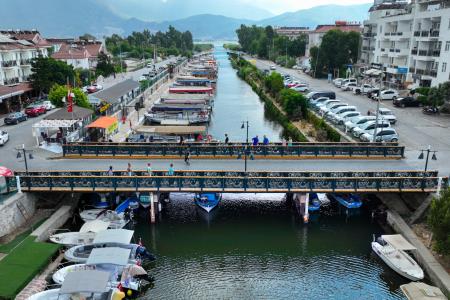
(171,171)
(265,140)
(255,141)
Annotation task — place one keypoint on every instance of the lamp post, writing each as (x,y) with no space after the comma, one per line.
(24,153)
(433,157)
(245,124)
(377,114)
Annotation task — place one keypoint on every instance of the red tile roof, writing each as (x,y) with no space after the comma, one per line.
(69,52)
(339,25)
(21,87)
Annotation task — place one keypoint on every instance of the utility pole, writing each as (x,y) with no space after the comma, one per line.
(377,115)
(245,123)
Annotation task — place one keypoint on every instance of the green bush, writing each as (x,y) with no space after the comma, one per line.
(439,221)
(58,92)
(331,134)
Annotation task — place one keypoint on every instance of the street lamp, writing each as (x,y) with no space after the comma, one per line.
(433,157)
(244,124)
(24,151)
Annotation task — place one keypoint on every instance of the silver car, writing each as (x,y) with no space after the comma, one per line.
(340,110)
(357,121)
(388,135)
(342,118)
(366,127)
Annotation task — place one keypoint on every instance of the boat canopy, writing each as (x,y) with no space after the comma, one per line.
(422,291)
(121,236)
(109,255)
(398,241)
(94,226)
(89,281)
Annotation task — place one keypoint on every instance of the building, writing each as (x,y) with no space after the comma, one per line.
(292,32)
(77,53)
(315,36)
(410,42)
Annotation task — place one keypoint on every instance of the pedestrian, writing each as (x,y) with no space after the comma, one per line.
(265,140)
(181,140)
(199,137)
(227,140)
(129,172)
(255,141)
(368,112)
(149,169)
(290,142)
(187,156)
(283,142)
(110,171)
(171,171)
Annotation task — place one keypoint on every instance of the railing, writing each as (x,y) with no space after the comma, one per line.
(414,51)
(416,33)
(434,33)
(424,33)
(9,63)
(24,62)
(234,181)
(432,73)
(11,81)
(231,151)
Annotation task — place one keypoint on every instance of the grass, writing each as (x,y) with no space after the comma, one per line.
(6,248)
(21,265)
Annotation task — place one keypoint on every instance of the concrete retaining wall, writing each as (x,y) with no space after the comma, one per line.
(424,257)
(56,220)
(10,215)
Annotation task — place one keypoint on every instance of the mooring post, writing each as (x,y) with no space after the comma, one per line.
(152,208)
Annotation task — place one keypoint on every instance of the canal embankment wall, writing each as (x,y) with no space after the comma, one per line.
(15,210)
(425,258)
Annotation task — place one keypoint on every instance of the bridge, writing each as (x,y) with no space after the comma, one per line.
(229,181)
(235,150)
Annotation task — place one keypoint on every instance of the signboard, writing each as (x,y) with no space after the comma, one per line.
(104,107)
(112,128)
(402,70)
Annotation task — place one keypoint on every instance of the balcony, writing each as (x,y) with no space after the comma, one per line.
(25,62)
(414,51)
(433,53)
(9,64)
(424,33)
(430,72)
(11,81)
(434,33)
(26,78)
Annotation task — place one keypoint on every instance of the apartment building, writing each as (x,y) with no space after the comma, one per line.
(409,42)
(78,53)
(292,32)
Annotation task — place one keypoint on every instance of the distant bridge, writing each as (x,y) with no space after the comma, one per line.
(229,181)
(235,150)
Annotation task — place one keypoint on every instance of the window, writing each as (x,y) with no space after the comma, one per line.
(444,67)
(447,45)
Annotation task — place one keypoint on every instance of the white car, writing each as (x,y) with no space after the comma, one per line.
(300,88)
(387,114)
(338,81)
(4,137)
(366,127)
(388,135)
(326,103)
(331,115)
(357,121)
(142,78)
(342,118)
(363,89)
(388,95)
(348,86)
(330,107)
(273,67)
(48,105)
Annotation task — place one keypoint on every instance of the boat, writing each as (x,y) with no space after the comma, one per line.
(351,201)
(88,284)
(314,202)
(111,260)
(207,201)
(169,107)
(391,249)
(178,119)
(117,218)
(100,201)
(422,291)
(145,199)
(85,236)
(120,238)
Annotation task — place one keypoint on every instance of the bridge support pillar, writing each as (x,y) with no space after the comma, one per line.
(19,188)
(152,208)
(289,197)
(302,203)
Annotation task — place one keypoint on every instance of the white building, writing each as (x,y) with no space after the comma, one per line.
(79,54)
(291,32)
(410,42)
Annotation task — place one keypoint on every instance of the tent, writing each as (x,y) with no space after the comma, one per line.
(103,127)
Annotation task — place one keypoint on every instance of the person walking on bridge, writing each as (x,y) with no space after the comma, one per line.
(149,169)
(265,141)
(110,171)
(227,140)
(255,141)
(171,171)
(187,157)
(129,171)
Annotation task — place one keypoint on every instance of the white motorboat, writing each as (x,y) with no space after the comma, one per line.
(85,236)
(111,260)
(117,218)
(111,238)
(391,249)
(90,284)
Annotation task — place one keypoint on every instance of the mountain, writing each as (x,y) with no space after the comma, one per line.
(60,18)
(170,10)
(324,14)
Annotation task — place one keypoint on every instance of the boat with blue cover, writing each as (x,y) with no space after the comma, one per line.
(351,201)
(207,201)
(314,202)
(145,199)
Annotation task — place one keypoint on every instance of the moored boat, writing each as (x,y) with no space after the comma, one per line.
(207,201)
(351,201)
(85,236)
(117,218)
(145,199)
(314,202)
(391,249)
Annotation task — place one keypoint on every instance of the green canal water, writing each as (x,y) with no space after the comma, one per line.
(252,248)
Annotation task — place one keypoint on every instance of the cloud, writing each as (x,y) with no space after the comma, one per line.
(281,6)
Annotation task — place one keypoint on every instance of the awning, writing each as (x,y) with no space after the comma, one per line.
(85,282)
(121,236)
(398,242)
(108,123)
(5,172)
(109,255)
(54,123)
(94,226)
(171,129)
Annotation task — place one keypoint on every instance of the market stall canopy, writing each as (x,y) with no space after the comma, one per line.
(5,172)
(398,241)
(104,122)
(79,113)
(171,129)
(114,93)
(91,281)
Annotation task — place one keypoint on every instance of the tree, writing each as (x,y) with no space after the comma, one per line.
(294,103)
(274,83)
(439,221)
(87,37)
(59,92)
(104,65)
(47,71)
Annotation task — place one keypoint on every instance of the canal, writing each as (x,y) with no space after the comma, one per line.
(235,102)
(253,246)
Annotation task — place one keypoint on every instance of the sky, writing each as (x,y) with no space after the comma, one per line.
(281,6)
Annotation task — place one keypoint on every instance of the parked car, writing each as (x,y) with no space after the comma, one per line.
(373,93)
(363,89)
(318,101)
(4,137)
(342,117)
(348,80)
(348,86)
(300,88)
(388,95)
(273,67)
(330,107)
(35,110)
(382,135)
(407,102)
(47,104)
(332,114)
(366,127)
(315,95)
(338,81)
(387,114)
(326,103)
(357,121)
(142,78)
(292,84)
(15,118)
(94,88)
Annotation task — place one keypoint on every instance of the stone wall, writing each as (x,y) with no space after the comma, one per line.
(10,215)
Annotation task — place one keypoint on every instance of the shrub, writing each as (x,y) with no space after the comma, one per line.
(439,221)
